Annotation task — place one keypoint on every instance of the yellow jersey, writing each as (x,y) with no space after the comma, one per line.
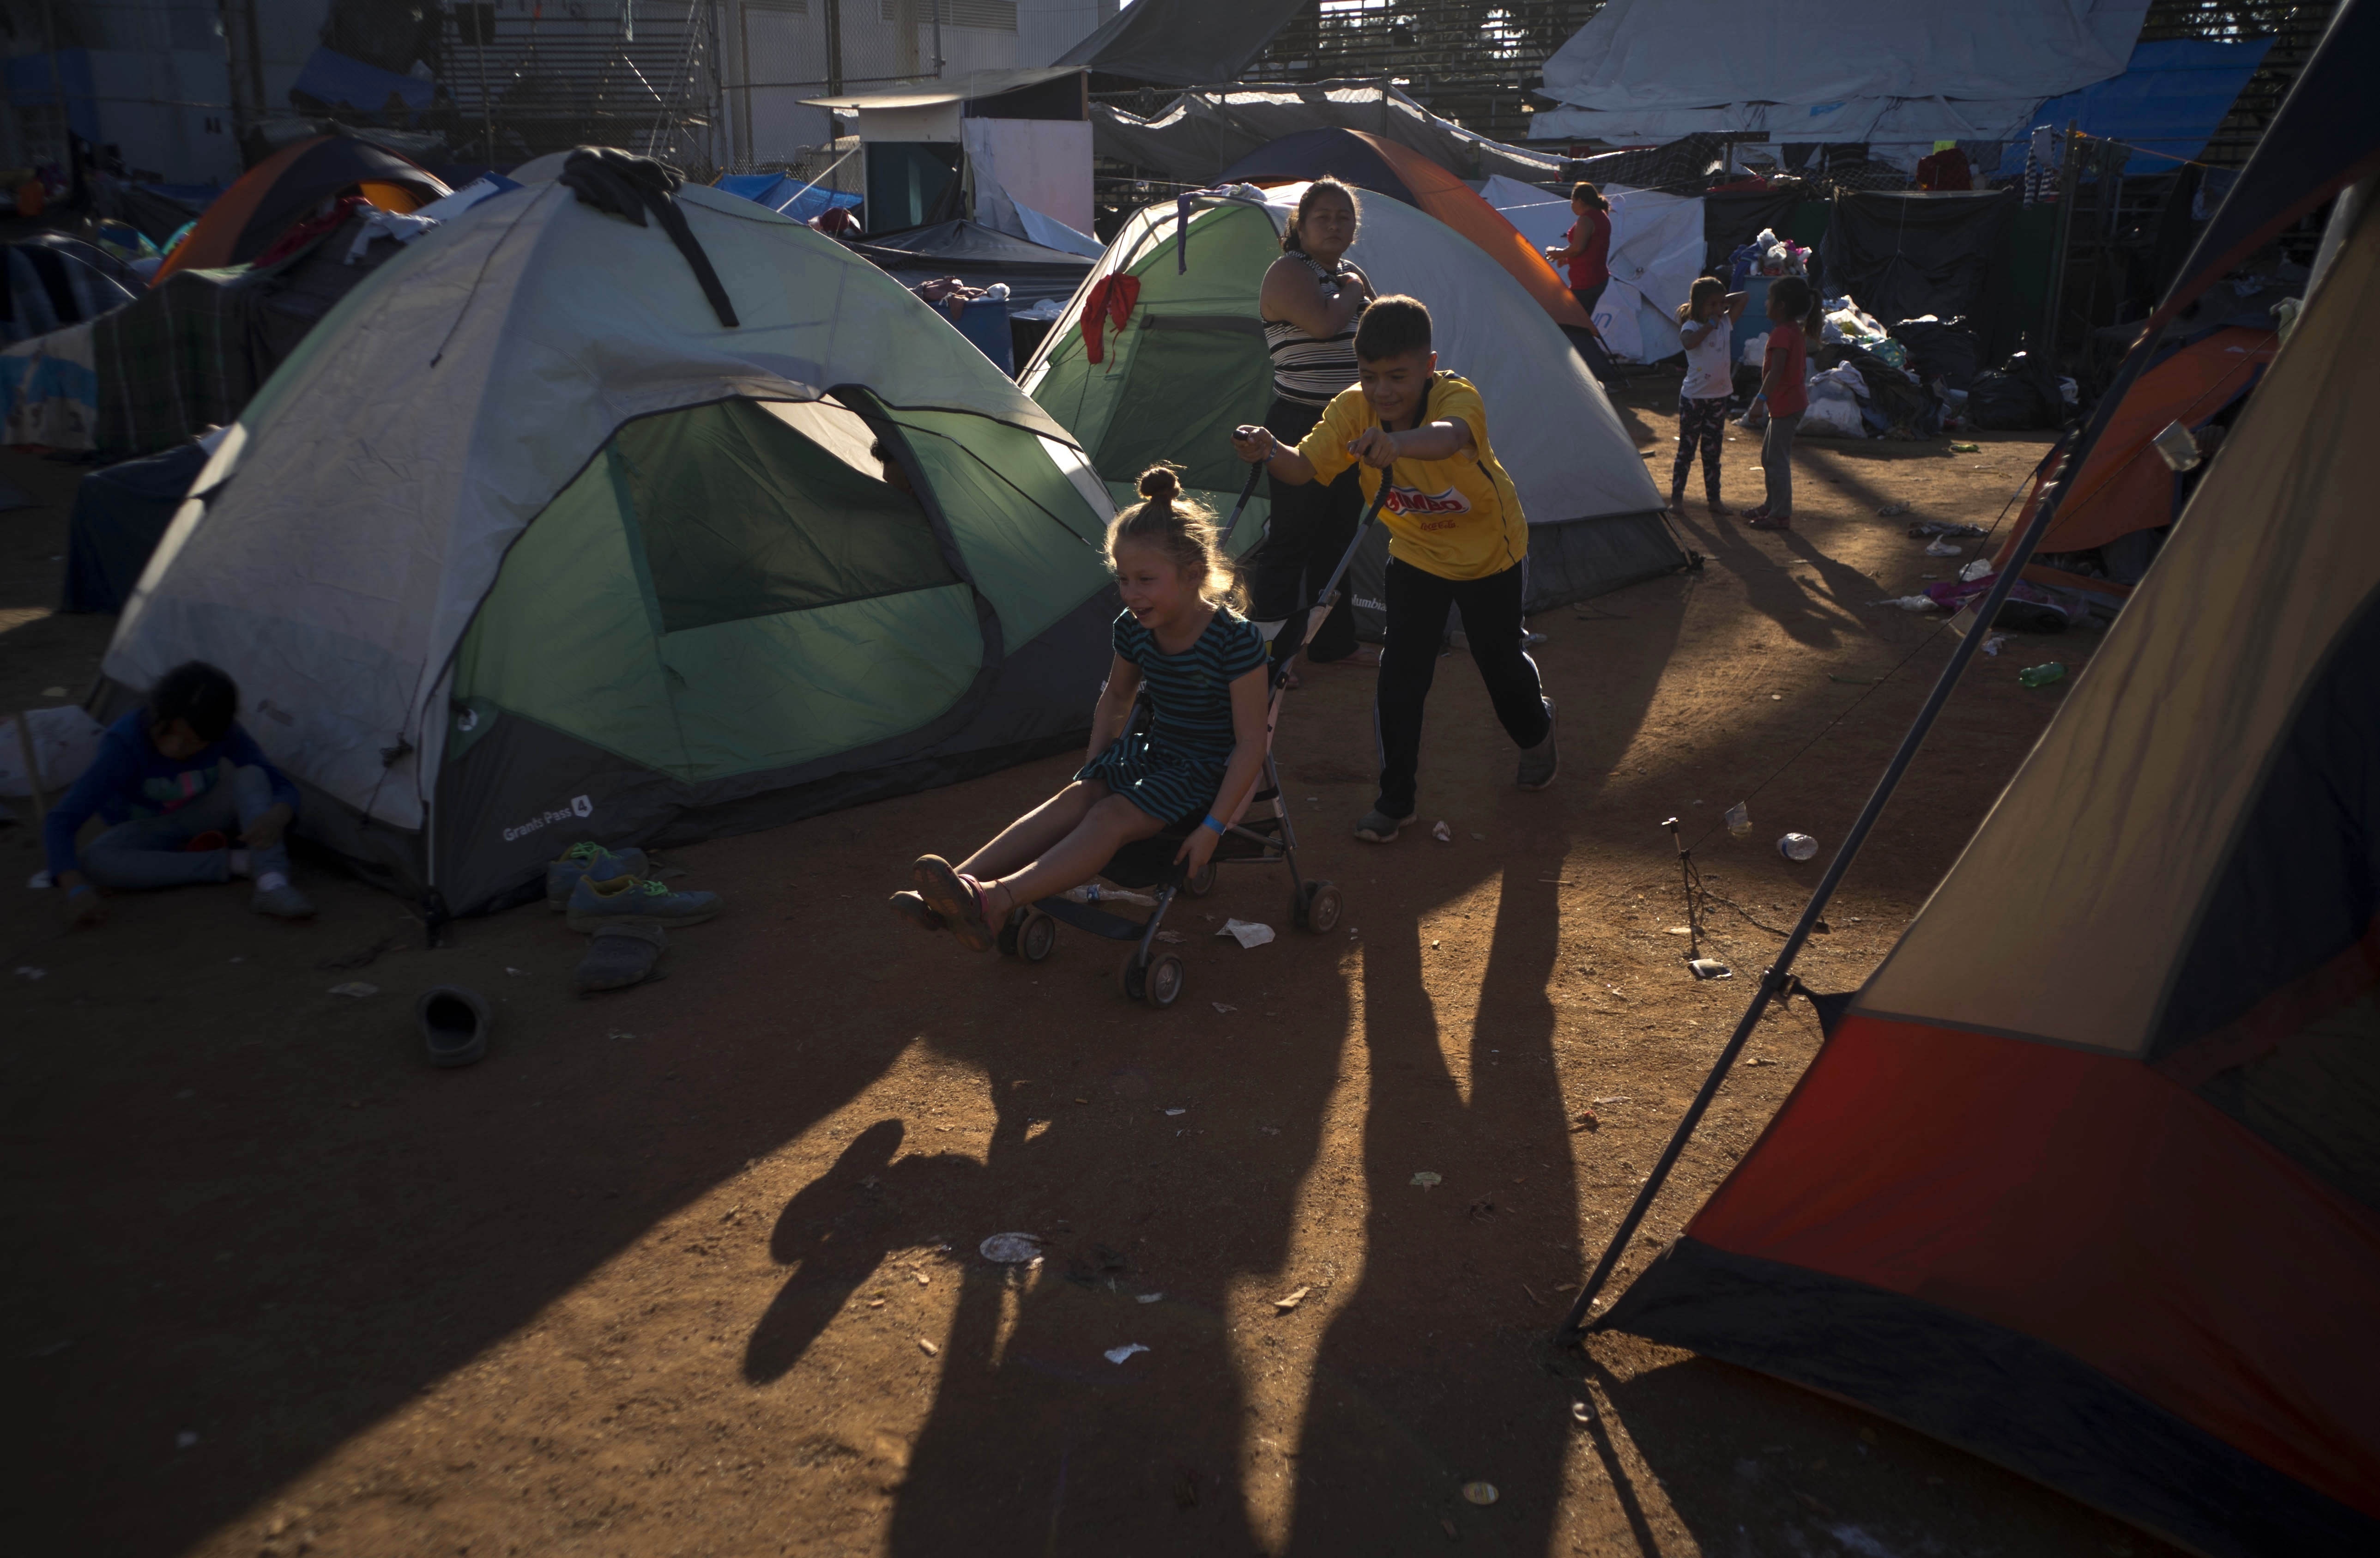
(1457,517)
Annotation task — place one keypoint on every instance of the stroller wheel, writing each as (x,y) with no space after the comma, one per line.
(1162,986)
(1136,977)
(1320,903)
(1037,938)
(1201,881)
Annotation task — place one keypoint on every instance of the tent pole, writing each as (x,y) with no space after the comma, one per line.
(1777,980)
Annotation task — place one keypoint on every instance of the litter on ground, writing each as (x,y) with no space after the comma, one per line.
(1117,1355)
(1248,933)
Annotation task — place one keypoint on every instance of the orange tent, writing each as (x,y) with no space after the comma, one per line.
(1386,168)
(289,186)
(2125,484)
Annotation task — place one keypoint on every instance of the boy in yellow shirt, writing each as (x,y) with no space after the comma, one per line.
(1456,538)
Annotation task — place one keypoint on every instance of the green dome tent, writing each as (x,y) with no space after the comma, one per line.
(1188,364)
(525,545)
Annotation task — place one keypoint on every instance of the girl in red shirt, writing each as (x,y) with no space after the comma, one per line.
(1586,247)
(1784,368)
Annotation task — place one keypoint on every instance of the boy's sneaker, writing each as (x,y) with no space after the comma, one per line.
(1378,827)
(284,902)
(588,860)
(1541,762)
(596,904)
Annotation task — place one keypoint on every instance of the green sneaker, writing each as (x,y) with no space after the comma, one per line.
(596,904)
(586,859)
(1376,826)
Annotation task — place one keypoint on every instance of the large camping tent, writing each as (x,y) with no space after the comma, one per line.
(1368,162)
(2087,1178)
(1188,363)
(1656,252)
(526,545)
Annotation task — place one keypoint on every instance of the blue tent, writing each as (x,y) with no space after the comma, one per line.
(791,196)
(2169,100)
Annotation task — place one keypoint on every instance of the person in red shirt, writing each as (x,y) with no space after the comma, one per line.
(1795,316)
(1586,248)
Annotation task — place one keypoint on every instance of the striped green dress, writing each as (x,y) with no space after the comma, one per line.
(1172,768)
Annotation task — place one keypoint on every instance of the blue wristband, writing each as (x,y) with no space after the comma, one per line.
(1210,822)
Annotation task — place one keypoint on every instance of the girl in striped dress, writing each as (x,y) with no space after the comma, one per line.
(1204,665)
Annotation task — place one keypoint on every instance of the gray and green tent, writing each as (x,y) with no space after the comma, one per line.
(1188,364)
(525,545)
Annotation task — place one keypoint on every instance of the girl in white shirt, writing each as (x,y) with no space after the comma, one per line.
(1706,325)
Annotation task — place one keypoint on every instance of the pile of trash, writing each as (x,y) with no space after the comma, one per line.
(1914,379)
(1767,255)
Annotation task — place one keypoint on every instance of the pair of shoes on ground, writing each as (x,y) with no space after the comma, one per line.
(1539,764)
(1711,504)
(1763,518)
(626,915)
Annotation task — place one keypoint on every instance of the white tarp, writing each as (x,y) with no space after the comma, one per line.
(1657,252)
(369,490)
(1797,70)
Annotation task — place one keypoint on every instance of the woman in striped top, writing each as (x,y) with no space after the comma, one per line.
(1204,666)
(1310,300)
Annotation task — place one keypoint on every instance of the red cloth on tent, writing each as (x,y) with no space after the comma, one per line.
(306,232)
(1111,297)
(1945,170)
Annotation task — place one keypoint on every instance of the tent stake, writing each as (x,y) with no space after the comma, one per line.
(1777,978)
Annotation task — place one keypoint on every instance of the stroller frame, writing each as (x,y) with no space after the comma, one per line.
(1154,976)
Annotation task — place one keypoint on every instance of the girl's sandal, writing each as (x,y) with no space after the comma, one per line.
(917,911)
(957,898)
(1719,510)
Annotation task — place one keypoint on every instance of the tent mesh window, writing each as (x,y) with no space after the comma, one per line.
(1152,421)
(743,517)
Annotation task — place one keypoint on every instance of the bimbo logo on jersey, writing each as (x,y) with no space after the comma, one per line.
(1408,500)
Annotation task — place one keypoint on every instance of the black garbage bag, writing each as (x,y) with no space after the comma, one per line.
(2011,402)
(1943,349)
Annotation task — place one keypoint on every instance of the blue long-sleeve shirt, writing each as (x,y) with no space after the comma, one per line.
(130,778)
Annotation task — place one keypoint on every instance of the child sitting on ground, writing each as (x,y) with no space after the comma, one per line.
(1707,327)
(1204,665)
(1456,538)
(179,816)
(1784,372)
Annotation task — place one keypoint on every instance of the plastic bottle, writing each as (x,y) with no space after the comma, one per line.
(2041,675)
(1797,846)
(1739,820)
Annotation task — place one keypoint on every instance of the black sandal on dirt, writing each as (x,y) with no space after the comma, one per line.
(958,899)
(1764,521)
(915,911)
(453,1022)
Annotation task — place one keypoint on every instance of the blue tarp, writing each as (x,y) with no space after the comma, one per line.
(2171,99)
(335,79)
(791,196)
(31,81)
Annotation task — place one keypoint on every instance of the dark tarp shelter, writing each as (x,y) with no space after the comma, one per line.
(190,353)
(120,513)
(2087,1178)
(1906,254)
(1200,134)
(1182,42)
(979,256)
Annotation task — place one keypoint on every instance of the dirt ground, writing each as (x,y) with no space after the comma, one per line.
(693,1269)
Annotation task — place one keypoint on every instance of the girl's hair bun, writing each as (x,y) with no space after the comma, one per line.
(1159,484)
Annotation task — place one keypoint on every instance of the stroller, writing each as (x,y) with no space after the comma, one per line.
(1157,977)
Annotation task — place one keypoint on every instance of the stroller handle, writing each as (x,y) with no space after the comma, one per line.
(1329,596)
(1247,490)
